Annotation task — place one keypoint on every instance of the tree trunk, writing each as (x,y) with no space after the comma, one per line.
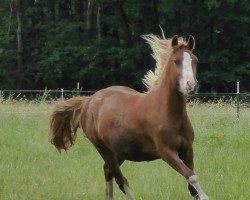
(64,9)
(19,44)
(56,6)
(10,18)
(156,21)
(177,15)
(89,17)
(123,20)
(49,11)
(80,7)
(98,22)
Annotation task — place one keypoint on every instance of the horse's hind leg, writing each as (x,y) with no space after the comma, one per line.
(123,184)
(109,182)
(112,170)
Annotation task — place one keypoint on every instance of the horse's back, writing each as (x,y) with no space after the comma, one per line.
(117,90)
(114,95)
(113,100)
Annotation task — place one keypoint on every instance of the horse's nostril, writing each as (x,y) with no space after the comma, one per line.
(189,85)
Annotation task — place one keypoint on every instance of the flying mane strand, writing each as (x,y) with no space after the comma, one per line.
(162,49)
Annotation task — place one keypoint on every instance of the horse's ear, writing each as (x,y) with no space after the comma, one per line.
(191,42)
(174,41)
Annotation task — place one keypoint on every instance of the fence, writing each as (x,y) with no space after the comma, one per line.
(239,99)
(65,94)
(41,94)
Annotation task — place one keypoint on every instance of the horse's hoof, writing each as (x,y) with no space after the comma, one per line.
(196,197)
(203,198)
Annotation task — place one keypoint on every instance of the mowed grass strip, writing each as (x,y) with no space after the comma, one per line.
(31,168)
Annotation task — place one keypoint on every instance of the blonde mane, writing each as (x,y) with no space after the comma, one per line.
(162,49)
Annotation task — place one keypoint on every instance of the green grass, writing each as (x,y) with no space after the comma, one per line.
(31,168)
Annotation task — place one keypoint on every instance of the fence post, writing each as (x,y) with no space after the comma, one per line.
(238,101)
(62,94)
(77,86)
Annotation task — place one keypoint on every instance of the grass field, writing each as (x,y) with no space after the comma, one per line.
(31,168)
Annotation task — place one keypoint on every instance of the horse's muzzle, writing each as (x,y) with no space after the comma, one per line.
(192,87)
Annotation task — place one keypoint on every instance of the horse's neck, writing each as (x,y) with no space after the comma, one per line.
(173,103)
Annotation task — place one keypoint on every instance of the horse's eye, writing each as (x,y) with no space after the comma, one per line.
(177,62)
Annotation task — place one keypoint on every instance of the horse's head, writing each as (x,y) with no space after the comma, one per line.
(184,63)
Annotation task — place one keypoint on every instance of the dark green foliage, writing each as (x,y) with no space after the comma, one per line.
(59,51)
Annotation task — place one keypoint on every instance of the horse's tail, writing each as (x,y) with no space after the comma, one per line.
(65,119)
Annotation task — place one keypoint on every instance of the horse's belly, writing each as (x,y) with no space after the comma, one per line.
(137,156)
(135,150)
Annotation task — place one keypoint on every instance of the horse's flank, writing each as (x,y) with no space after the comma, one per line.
(119,119)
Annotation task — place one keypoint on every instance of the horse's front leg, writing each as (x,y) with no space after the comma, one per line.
(186,155)
(172,158)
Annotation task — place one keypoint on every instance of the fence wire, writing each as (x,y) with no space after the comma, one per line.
(48,95)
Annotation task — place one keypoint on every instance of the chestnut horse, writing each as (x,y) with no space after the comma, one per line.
(124,124)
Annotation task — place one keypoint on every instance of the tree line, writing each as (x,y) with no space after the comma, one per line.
(57,43)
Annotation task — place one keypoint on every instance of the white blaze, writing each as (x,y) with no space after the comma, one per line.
(187,72)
